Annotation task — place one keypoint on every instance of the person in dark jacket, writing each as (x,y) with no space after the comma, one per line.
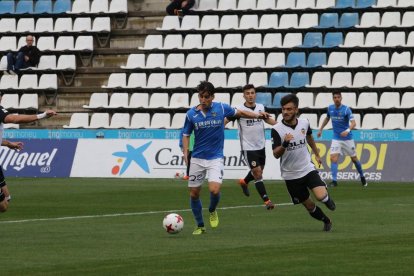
(180,7)
(27,56)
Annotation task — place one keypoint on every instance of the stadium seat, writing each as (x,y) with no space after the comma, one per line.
(254,60)
(395,39)
(99,6)
(316,59)
(268,21)
(348,20)
(299,79)
(78,120)
(66,62)
(80,6)
(8,25)
(370,19)
(155,61)
(205,5)
(264,98)
(28,81)
(391,19)
(177,121)
(385,3)
(101,24)
(410,40)
(227,5)
(341,79)
(237,79)
(176,80)
(407,20)
(118,6)
(308,20)
(136,80)
(292,40)
(193,41)
(179,100)
(320,79)
(119,120)
(235,60)
(275,60)
(354,39)
(279,79)
(389,100)
(157,80)
(410,122)
(158,100)
(405,79)
(333,40)
(228,22)
(82,24)
(62,6)
(24,6)
(9,82)
(10,101)
(3,63)
(374,39)
(43,6)
(194,101)
(237,99)
(152,42)
(365,3)
(29,101)
(45,43)
(47,63)
(252,41)
(258,79)
(400,59)
(296,59)
(173,41)
(323,4)
(321,119)
(372,121)
(116,80)
(7,7)
(345,4)
(288,20)
(215,60)
(118,100)
(170,22)
(25,25)
(305,99)
(246,4)
(134,61)
(329,20)
(272,40)
(405,3)
(43,25)
(384,79)
(407,100)
(363,79)
(212,41)
(276,100)
(379,59)
(140,120)
(249,21)
(175,61)
(64,43)
(97,100)
(160,120)
(190,22)
(63,25)
(210,22)
(265,4)
(312,118)
(367,100)
(194,79)
(305,4)
(139,100)
(349,99)
(194,61)
(323,100)
(99,120)
(232,41)
(222,97)
(312,40)
(286,4)
(358,59)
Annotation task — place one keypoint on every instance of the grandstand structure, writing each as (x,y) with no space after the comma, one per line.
(124,64)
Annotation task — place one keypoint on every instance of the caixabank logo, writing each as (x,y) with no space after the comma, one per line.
(131,155)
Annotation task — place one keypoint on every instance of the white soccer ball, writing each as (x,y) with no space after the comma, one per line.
(179,174)
(173,223)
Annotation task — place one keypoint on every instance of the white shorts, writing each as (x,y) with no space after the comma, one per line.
(343,147)
(199,168)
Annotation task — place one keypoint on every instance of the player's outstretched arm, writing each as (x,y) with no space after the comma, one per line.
(324,123)
(12,145)
(270,121)
(22,118)
(251,115)
(312,144)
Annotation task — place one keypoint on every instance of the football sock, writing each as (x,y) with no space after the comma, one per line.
(214,200)
(359,168)
(261,189)
(197,209)
(334,170)
(249,177)
(325,199)
(318,214)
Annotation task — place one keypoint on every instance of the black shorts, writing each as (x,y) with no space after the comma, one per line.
(255,158)
(298,188)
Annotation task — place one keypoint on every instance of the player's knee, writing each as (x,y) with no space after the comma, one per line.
(3,206)
(334,158)
(257,173)
(309,205)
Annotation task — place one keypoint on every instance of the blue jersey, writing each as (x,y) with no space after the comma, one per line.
(340,120)
(208,130)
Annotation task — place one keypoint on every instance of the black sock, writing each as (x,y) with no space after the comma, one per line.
(261,190)
(249,177)
(318,214)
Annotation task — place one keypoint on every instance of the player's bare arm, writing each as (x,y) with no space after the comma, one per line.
(186,146)
(280,150)
(312,144)
(21,118)
(12,145)
(347,131)
(251,115)
(324,123)
(270,121)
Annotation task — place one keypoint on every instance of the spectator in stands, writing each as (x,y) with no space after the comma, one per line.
(7,118)
(180,7)
(27,56)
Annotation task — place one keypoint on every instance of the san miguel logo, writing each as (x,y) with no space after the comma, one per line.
(129,156)
(18,160)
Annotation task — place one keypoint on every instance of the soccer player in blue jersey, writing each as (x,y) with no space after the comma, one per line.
(342,123)
(207,122)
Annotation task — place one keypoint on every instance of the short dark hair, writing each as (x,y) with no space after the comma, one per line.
(206,86)
(336,93)
(248,86)
(290,98)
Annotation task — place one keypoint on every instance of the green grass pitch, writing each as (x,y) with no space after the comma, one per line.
(113,227)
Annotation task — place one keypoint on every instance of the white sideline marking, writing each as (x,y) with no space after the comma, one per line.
(129,214)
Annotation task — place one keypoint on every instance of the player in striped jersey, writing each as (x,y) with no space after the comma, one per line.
(290,139)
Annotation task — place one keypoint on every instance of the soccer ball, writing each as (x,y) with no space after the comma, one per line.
(173,223)
(179,175)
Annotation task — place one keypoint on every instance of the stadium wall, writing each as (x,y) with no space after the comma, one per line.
(385,155)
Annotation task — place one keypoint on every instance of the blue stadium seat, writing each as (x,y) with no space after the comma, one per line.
(24,6)
(345,4)
(299,79)
(62,6)
(279,79)
(264,98)
(316,59)
(349,20)
(43,6)
(329,20)
(312,40)
(333,40)
(365,3)
(296,59)
(6,7)
(277,98)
